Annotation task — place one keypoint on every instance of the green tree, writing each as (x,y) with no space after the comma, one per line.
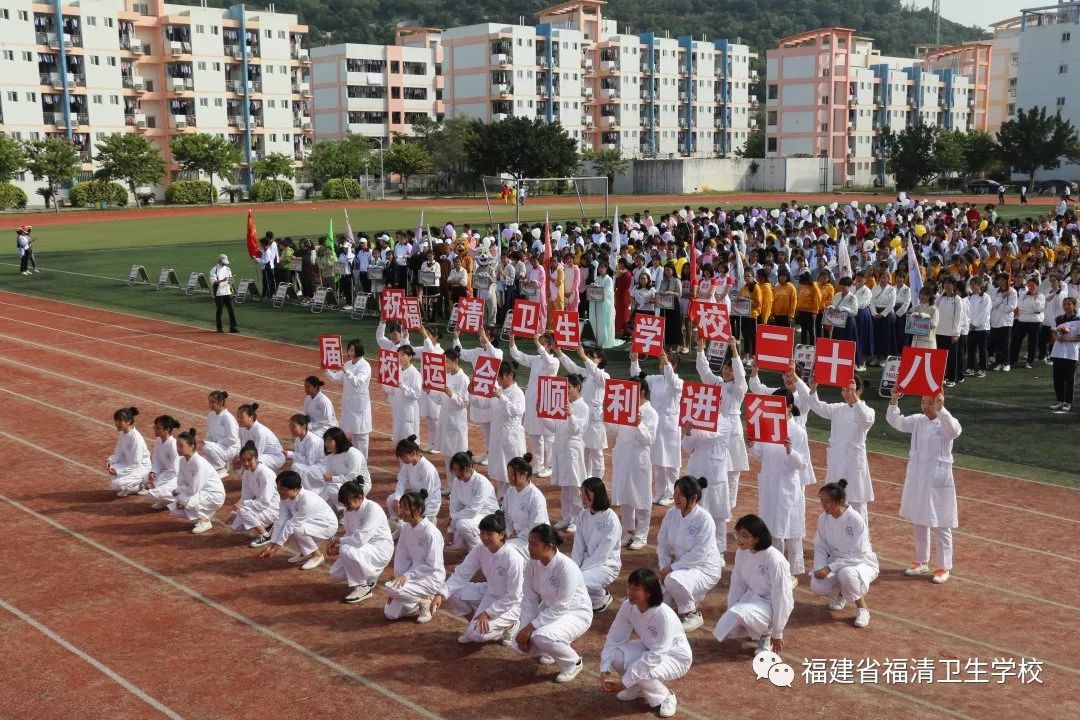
(608,163)
(523,147)
(12,158)
(273,166)
(909,154)
(338,159)
(55,159)
(407,159)
(206,153)
(1037,140)
(129,158)
(447,143)
(981,155)
(949,153)
(754,146)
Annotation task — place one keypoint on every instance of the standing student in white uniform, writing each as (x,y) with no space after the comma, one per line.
(307,454)
(355,380)
(472,498)
(592,392)
(568,464)
(416,473)
(480,408)
(258,505)
(690,564)
(631,462)
(524,506)
(539,437)
(665,394)
(732,379)
(635,669)
(493,605)
(929,495)
(305,521)
(507,440)
(317,406)
(389,336)
(341,462)
(266,442)
(405,398)
(761,596)
(365,547)
(430,408)
(555,606)
(844,560)
(199,492)
(418,562)
(453,423)
(709,458)
(164,462)
(129,465)
(222,443)
(596,547)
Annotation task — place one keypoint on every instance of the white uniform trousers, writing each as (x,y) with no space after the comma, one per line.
(465,602)
(733,486)
(652,688)
(684,589)
(664,482)
(597,580)
(554,640)
(216,455)
(943,535)
(749,617)
(405,600)
(466,532)
(128,480)
(850,583)
(570,503)
(540,447)
(636,521)
(793,551)
(163,491)
(360,442)
(359,565)
(594,462)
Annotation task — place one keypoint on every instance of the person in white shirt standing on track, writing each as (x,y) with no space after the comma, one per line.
(568,465)
(665,394)
(480,408)
(592,392)
(539,437)
(221,283)
(355,379)
(844,561)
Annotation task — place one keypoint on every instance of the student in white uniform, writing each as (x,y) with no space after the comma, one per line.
(429,405)
(164,462)
(929,495)
(596,543)
(305,521)
(781,498)
(761,596)
(307,454)
(405,398)
(479,407)
(129,465)
(418,562)
(844,561)
(355,380)
(539,437)
(257,508)
(690,564)
(524,506)
(317,406)
(416,473)
(555,606)
(665,395)
(453,425)
(472,498)
(341,462)
(507,433)
(732,379)
(849,423)
(389,336)
(266,442)
(568,463)
(636,669)
(592,392)
(365,547)
(631,462)
(199,492)
(222,443)
(709,458)
(493,605)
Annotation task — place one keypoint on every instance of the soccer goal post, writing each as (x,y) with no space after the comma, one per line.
(505,197)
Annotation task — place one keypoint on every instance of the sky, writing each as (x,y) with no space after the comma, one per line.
(981,12)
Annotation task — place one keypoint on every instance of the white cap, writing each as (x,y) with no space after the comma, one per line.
(223,259)
(535,232)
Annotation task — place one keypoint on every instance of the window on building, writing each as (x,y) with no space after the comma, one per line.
(204,102)
(269,69)
(95,60)
(1066,36)
(200,29)
(219,102)
(281,35)
(395,117)
(395,66)
(91,21)
(1061,102)
(4,14)
(1062,69)
(108,22)
(217,67)
(97,99)
(110,61)
(202,64)
(284,69)
(31,96)
(773,91)
(268,34)
(24,15)
(27,56)
(114,99)
(273,137)
(271,103)
(9,54)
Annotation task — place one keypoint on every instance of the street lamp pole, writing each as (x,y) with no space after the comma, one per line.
(382,173)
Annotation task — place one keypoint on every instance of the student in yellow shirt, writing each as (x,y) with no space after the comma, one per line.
(807,308)
(748,323)
(784,299)
(828,290)
(765,315)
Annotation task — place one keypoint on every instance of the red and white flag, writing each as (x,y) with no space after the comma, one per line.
(834,362)
(922,371)
(485,373)
(551,397)
(648,335)
(393,304)
(700,406)
(411,318)
(567,329)
(389,367)
(774,348)
(713,321)
(621,401)
(766,419)
(433,371)
(330,352)
(527,318)
(470,315)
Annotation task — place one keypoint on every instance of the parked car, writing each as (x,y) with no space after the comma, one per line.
(1054,187)
(982,186)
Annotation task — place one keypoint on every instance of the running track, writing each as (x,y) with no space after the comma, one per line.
(113,609)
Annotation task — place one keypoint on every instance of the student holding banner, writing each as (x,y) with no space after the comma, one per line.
(733,380)
(453,427)
(665,392)
(405,398)
(355,379)
(430,404)
(632,469)
(480,407)
(568,463)
(592,392)
(541,364)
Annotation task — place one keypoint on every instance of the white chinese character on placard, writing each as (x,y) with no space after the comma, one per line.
(700,406)
(551,398)
(766,418)
(648,335)
(330,351)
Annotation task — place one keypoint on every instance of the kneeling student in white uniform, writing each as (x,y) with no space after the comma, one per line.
(472,498)
(304,521)
(419,572)
(164,462)
(844,561)
(308,453)
(492,606)
(364,550)
(317,406)
(555,606)
(341,462)
(760,599)
(129,465)
(257,508)
(524,505)
(690,564)
(633,669)
(199,492)
(266,442)
(597,547)
(222,443)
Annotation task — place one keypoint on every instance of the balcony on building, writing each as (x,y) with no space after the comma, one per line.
(609,140)
(587,120)
(610,90)
(609,60)
(177,39)
(501,110)
(409,67)
(609,116)
(502,52)
(366,72)
(255,113)
(301,147)
(502,83)
(365,92)
(179,77)
(297,51)
(182,115)
(251,38)
(586,63)
(301,85)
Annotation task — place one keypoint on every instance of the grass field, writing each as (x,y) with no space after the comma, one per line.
(1008,427)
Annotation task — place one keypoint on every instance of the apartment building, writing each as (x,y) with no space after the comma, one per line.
(92,68)
(830,93)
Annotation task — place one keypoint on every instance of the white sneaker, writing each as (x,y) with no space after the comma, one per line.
(838,604)
(563,524)
(202,526)
(628,695)
(544,472)
(298,559)
(665,502)
(428,449)
(764,644)
(424,616)
(862,617)
(358,594)
(482,460)
(794,582)
(462,639)
(940,576)
(636,544)
(1056,406)
(1006,368)
(692,621)
(860,368)
(604,604)
(313,562)
(570,529)
(122,493)
(1066,407)
(546,660)
(142,491)
(627,539)
(669,706)
(158,506)
(917,569)
(508,636)
(568,675)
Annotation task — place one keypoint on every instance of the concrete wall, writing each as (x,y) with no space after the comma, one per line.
(645,177)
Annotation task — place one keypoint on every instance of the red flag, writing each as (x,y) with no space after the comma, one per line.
(252,237)
(693,263)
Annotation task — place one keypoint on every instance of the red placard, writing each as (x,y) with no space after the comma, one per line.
(922,371)
(389,367)
(485,373)
(713,321)
(551,397)
(834,362)
(648,335)
(527,315)
(330,352)
(411,318)
(392,304)
(774,348)
(766,419)
(700,406)
(470,315)
(567,326)
(621,401)
(433,371)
